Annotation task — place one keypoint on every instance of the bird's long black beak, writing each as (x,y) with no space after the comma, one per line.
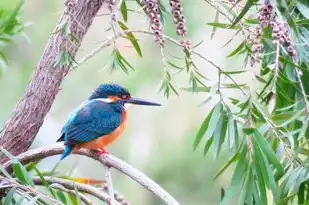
(139,101)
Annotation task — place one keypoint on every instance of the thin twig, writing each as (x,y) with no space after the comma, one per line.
(109,181)
(68,184)
(106,160)
(277,60)
(303,92)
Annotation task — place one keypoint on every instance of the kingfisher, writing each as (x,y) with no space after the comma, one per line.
(100,120)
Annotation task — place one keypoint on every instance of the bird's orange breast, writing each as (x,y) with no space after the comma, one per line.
(103,141)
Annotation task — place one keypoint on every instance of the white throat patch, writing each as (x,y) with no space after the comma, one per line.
(106,100)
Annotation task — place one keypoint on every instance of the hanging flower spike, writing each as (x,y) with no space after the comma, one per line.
(179,20)
(152,10)
(264,18)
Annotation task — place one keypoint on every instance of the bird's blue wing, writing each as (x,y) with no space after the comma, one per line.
(94,119)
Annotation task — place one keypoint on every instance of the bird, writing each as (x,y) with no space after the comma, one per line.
(100,120)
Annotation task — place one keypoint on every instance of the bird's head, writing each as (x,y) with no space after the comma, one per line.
(112,92)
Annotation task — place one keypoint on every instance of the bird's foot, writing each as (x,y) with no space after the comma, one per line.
(102,152)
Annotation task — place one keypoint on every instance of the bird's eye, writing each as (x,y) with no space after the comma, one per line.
(124,96)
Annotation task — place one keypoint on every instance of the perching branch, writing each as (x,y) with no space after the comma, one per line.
(20,129)
(106,160)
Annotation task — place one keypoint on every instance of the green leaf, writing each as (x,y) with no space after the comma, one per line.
(21,200)
(61,196)
(124,10)
(214,119)
(233,72)
(267,150)
(233,138)
(222,25)
(219,134)
(238,49)
(214,29)
(246,8)
(247,189)
(19,170)
(207,145)
(202,130)
(132,38)
(44,182)
(197,89)
(10,22)
(35,199)
(238,175)
(233,159)
(9,196)
(73,199)
(304,9)
(285,200)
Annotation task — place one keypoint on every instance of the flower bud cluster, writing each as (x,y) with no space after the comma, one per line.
(265,16)
(152,10)
(281,34)
(179,20)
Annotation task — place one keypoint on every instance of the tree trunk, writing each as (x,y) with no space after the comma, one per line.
(21,128)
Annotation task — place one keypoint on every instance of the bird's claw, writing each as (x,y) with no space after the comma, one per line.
(102,152)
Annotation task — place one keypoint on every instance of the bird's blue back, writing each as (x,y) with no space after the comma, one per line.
(92,120)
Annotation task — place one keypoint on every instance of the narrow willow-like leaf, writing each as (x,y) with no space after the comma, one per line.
(44,182)
(197,89)
(202,130)
(219,134)
(19,170)
(62,197)
(233,138)
(303,8)
(214,119)
(214,29)
(10,22)
(208,145)
(247,189)
(237,49)
(243,12)
(234,72)
(21,200)
(267,150)
(222,25)
(259,162)
(124,10)
(9,196)
(132,38)
(238,175)
(233,159)
(261,186)
(73,199)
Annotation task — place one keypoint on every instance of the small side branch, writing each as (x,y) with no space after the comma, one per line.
(106,160)
(71,185)
(29,189)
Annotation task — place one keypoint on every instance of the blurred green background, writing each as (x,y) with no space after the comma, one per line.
(157,141)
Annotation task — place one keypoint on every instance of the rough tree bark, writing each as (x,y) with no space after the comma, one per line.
(21,128)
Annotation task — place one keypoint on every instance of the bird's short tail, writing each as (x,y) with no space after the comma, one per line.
(67,150)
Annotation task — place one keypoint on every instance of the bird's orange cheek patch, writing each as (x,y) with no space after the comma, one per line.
(114,98)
